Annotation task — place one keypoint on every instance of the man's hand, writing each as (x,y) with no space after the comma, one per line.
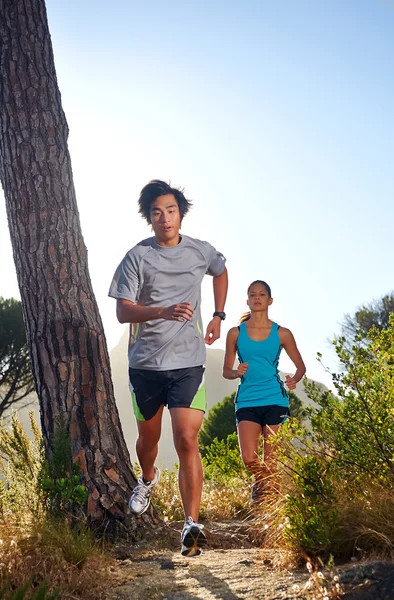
(178,312)
(242,368)
(291,384)
(213,331)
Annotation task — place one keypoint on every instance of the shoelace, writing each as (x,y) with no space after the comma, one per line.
(189,521)
(141,492)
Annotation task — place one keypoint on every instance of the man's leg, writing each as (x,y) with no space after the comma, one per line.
(148,409)
(147,448)
(186,423)
(147,445)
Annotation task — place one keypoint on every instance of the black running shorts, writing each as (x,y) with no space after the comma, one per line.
(178,388)
(263,415)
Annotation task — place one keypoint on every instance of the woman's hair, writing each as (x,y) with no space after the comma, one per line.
(156,188)
(246,316)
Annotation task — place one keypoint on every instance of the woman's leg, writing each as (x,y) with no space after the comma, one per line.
(269,463)
(248,437)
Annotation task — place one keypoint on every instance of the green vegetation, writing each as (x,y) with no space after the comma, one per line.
(338,476)
(47,550)
(218,423)
(333,498)
(375,314)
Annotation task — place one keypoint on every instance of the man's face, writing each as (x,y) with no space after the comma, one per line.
(166,220)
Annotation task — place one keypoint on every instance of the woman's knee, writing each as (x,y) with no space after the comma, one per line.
(251,461)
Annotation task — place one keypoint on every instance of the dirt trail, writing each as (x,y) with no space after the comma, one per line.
(232,569)
(226,574)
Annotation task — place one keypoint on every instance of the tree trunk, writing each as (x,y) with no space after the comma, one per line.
(64,330)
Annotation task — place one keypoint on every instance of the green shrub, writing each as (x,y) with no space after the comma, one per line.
(339,471)
(222,459)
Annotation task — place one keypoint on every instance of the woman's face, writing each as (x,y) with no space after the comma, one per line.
(258,298)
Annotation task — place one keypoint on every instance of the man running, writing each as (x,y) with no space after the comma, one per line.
(157,287)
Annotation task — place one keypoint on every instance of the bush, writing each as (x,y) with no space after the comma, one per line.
(339,474)
(39,544)
(222,459)
(218,424)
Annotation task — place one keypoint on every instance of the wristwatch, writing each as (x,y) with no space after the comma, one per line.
(221,315)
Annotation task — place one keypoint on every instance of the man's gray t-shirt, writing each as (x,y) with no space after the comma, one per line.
(154,275)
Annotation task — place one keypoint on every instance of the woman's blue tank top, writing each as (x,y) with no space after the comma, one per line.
(261,384)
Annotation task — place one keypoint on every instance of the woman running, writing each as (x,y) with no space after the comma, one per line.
(261,402)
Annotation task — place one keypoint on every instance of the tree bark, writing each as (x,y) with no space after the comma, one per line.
(64,330)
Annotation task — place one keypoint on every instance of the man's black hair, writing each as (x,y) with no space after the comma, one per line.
(156,188)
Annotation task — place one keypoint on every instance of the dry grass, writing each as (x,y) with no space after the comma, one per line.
(66,559)
(221,501)
(365,522)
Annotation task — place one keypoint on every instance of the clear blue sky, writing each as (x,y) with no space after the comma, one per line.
(276,117)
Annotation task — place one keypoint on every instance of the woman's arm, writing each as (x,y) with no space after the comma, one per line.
(289,344)
(229,358)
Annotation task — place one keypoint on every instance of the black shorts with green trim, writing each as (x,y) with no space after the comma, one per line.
(263,415)
(178,388)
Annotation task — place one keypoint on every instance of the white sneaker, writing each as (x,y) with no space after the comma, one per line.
(140,498)
(192,538)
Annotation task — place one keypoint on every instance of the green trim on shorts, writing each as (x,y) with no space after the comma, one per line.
(199,328)
(136,410)
(200,399)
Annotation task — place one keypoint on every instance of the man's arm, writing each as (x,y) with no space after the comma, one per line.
(220,285)
(128,312)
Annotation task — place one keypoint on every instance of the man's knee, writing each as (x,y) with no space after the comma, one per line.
(186,443)
(147,440)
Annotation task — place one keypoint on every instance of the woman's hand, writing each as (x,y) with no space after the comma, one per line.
(290,382)
(242,368)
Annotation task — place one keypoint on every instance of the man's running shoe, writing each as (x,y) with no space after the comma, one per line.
(140,498)
(193,538)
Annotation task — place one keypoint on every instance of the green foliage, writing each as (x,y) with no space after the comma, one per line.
(16,378)
(26,592)
(375,314)
(219,423)
(31,481)
(310,511)
(345,459)
(297,409)
(60,478)
(222,459)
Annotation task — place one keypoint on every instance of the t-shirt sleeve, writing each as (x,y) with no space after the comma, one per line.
(126,282)
(216,261)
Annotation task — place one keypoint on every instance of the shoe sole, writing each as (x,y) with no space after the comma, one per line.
(192,542)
